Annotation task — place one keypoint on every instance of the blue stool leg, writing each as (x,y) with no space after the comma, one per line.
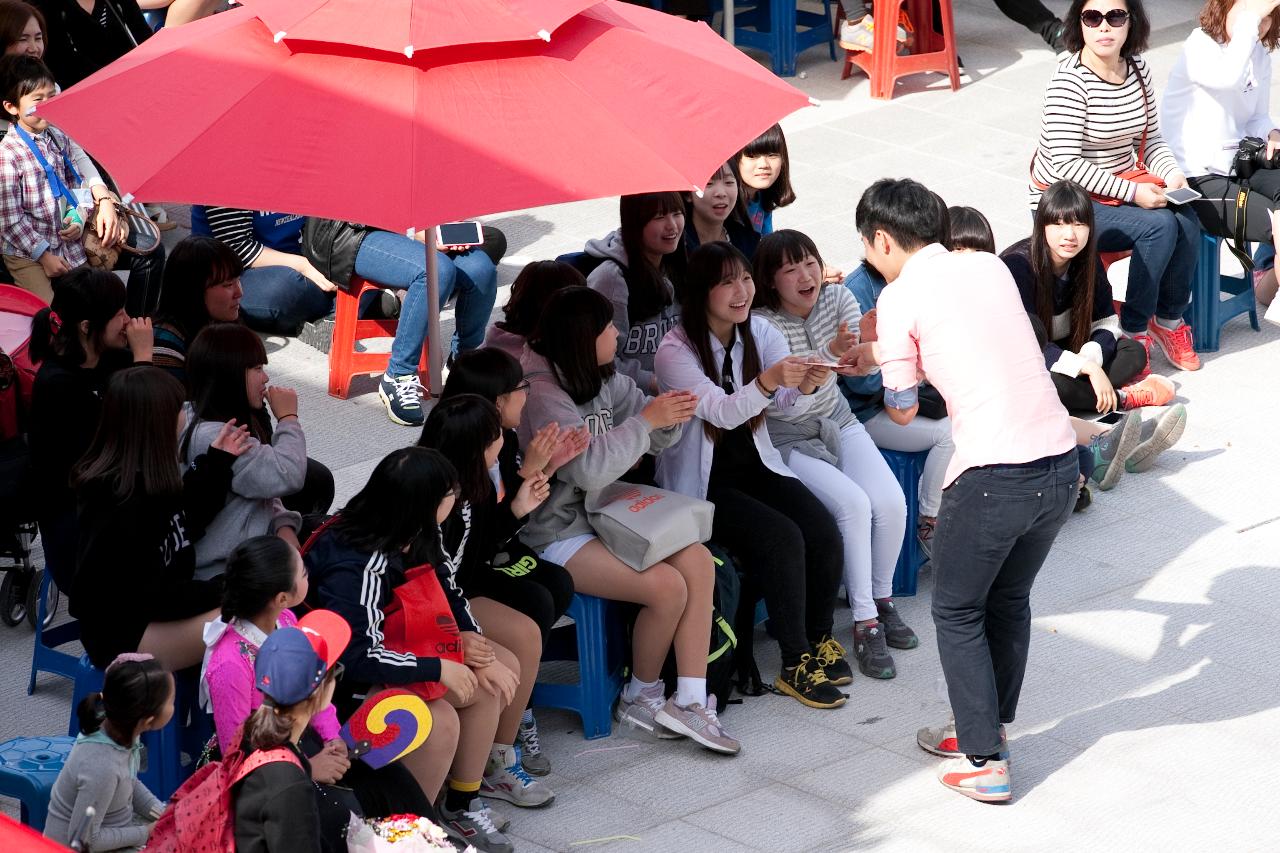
(1202,313)
(783,23)
(593,670)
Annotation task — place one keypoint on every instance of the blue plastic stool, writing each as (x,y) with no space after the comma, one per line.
(775,29)
(28,768)
(45,656)
(1208,311)
(598,649)
(908,467)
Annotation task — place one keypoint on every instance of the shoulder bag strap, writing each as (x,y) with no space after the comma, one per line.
(55,181)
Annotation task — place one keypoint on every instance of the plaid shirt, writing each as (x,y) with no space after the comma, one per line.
(29,220)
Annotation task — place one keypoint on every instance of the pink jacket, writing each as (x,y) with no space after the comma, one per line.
(229,677)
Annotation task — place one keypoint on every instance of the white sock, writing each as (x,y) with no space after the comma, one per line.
(503,754)
(1171,325)
(691,691)
(635,687)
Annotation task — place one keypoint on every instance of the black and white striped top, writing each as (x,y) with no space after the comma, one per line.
(1092,130)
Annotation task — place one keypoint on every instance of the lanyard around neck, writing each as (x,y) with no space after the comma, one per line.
(55,181)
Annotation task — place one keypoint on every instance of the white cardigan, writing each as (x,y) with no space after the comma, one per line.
(685,467)
(1217,94)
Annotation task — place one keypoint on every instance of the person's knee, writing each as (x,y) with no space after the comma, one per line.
(1159,225)
(444,721)
(665,588)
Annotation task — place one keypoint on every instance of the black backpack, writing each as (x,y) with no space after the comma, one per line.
(723,648)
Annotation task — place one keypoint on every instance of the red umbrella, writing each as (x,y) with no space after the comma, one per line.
(23,839)
(409,26)
(623,99)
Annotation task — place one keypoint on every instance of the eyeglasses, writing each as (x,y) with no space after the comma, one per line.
(523,386)
(1093,18)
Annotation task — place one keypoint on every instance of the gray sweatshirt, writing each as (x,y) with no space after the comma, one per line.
(619,437)
(638,337)
(101,773)
(509,342)
(260,477)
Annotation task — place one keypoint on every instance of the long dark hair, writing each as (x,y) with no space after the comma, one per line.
(708,266)
(83,294)
(775,251)
(132,690)
(396,508)
(216,365)
(1135,41)
(1065,202)
(462,428)
(488,371)
(970,230)
(195,264)
(647,293)
(566,337)
(137,436)
(737,215)
(258,569)
(779,193)
(530,291)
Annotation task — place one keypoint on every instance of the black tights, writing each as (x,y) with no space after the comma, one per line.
(543,595)
(784,539)
(1077,394)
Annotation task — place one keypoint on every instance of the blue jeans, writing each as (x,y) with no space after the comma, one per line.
(278,301)
(995,528)
(1166,246)
(400,262)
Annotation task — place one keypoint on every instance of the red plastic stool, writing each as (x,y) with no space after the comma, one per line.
(345,361)
(933,52)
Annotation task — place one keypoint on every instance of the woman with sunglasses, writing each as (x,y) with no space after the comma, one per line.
(1100,125)
(1218,93)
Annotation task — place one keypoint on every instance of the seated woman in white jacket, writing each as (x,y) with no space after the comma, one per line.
(569,365)
(779,533)
(1218,93)
(830,449)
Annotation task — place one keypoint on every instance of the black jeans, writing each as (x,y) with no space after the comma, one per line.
(994,531)
(1077,393)
(1032,14)
(1217,210)
(786,541)
(316,495)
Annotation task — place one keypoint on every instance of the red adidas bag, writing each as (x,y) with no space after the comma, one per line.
(419,621)
(199,817)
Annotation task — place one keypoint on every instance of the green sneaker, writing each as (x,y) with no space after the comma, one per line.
(1157,437)
(1111,449)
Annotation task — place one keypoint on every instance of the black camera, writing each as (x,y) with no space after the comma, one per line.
(1251,155)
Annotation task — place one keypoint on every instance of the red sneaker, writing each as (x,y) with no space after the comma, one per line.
(1176,345)
(1145,340)
(1152,391)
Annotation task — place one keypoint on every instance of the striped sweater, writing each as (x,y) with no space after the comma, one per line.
(811,337)
(1092,130)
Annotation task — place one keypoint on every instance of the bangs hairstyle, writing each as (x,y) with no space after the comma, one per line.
(779,193)
(1136,37)
(216,365)
(905,210)
(83,295)
(737,215)
(647,293)
(709,266)
(14,15)
(1065,202)
(1213,20)
(462,428)
(776,251)
(530,291)
(970,230)
(488,371)
(20,76)
(397,507)
(195,264)
(566,337)
(137,435)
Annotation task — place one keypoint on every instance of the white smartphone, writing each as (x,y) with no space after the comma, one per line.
(1182,195)
(460,234)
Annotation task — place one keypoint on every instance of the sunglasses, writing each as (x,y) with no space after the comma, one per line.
(1093,18)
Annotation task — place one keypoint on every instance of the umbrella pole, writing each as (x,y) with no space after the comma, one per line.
(435,352)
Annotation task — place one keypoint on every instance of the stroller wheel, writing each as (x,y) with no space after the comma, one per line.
(13,596)
(33,601)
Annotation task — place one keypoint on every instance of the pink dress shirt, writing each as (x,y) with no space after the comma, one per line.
(958,317)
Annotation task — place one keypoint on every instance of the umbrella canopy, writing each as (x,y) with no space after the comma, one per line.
(622,100)
(409,26)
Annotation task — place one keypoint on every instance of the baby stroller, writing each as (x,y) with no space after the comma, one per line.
(21,586)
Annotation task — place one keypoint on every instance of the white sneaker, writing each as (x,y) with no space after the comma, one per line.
(505,779)
(642,713)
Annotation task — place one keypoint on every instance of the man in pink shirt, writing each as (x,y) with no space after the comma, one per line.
(958,319)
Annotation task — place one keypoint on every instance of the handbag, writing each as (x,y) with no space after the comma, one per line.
(144,236)
(643,525)
(419,621)
(1139,174)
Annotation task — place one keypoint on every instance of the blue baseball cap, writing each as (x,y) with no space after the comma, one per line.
(292,662)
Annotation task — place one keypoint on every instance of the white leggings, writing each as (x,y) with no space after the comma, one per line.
(920,434)
(870,510)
